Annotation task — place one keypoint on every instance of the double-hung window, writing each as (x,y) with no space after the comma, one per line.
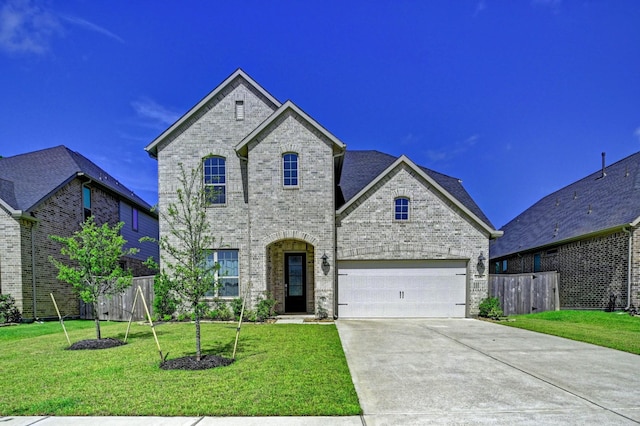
(401,206)
(227,275)
(215,180)
(290,170)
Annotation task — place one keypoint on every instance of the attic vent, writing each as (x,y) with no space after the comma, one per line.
(575,194)
(626,171)
(589,212)
(555,232)
(604,173)
(557,202)
(239,110)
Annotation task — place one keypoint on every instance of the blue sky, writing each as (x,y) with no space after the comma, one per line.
(516,98)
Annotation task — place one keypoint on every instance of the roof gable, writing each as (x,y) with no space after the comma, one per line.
(28,179)
(202,107)
(242,147)
(592,204)
(354,167)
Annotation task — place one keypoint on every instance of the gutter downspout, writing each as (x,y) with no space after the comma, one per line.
(246,161)
(630,250)
(33,269)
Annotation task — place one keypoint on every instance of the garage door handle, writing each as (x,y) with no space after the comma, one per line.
(342,304)
(461,304)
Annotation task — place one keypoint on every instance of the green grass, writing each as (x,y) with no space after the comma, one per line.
(283,369)
(616,330)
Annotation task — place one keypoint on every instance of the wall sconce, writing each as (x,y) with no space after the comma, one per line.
(325,263)
(480,264)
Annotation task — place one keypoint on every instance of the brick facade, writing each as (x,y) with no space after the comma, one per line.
(264,220)
(436,229)
(591,269)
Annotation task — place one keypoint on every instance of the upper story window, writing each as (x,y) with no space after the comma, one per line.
(215,179)
(134,219)
(401,208)
(86,202)
(290,169)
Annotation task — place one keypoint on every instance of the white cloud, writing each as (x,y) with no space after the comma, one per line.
(637,133)
(82,23)
(25,27)
(458,149)
(154,112)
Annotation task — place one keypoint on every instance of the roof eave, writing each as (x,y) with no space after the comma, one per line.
(570,239)
(242,147)
(404,159)
(152,148)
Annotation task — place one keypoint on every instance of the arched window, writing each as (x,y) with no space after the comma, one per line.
(401,206)
(215,179)
(290,169)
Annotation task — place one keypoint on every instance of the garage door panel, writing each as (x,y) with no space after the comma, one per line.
(391,289)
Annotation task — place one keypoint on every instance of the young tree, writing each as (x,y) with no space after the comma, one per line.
(95,253)
(186,244)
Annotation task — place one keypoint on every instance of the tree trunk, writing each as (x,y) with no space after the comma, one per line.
(197,337)
(97,320)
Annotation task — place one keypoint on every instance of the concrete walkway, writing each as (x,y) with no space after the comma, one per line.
(474,372)
(416,372)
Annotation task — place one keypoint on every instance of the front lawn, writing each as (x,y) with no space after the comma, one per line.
(616,330)
(288,370)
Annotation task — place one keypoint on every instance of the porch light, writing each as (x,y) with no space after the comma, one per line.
(325,263)
(480,264)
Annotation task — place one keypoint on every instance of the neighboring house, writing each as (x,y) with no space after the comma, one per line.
(51,192)
(320,228)
(588,232)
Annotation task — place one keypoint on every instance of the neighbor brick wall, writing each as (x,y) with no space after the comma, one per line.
(61,214)
(590,270)
(11,258)
(437,229)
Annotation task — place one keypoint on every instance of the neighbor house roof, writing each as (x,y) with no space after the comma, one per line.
(362,168)
(597,203)
(27,179)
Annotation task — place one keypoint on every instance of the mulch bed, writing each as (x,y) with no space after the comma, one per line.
(190,363)
(96,344)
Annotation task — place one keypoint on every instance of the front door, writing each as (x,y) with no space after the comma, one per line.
(295,299)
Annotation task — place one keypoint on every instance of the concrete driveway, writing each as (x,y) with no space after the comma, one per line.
(464,371)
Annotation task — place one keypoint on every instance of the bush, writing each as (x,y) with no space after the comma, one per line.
(8,310)
(236,306)
(266,308)
(490,308)
(164,301)
(220,311)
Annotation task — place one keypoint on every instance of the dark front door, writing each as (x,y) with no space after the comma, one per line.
(295,299)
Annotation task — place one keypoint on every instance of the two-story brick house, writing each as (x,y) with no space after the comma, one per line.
(357,234)
(51,192)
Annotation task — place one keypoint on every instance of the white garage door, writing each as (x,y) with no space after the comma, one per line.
(402,289)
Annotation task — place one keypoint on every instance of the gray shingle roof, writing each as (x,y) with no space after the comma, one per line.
(362,167)
(590,205)
(27,179)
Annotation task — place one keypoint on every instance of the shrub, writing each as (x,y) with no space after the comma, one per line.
(266,308)
(236,306)
(220,311)
(8,309)
(490,308)
(164,300)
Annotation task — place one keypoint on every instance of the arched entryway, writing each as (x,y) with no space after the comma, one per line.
(290,275)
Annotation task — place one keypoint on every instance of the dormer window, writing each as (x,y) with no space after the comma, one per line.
(290,170)
(215,180)
(401,206)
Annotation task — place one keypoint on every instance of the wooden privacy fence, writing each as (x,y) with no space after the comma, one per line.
(120,306)
(526,293)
